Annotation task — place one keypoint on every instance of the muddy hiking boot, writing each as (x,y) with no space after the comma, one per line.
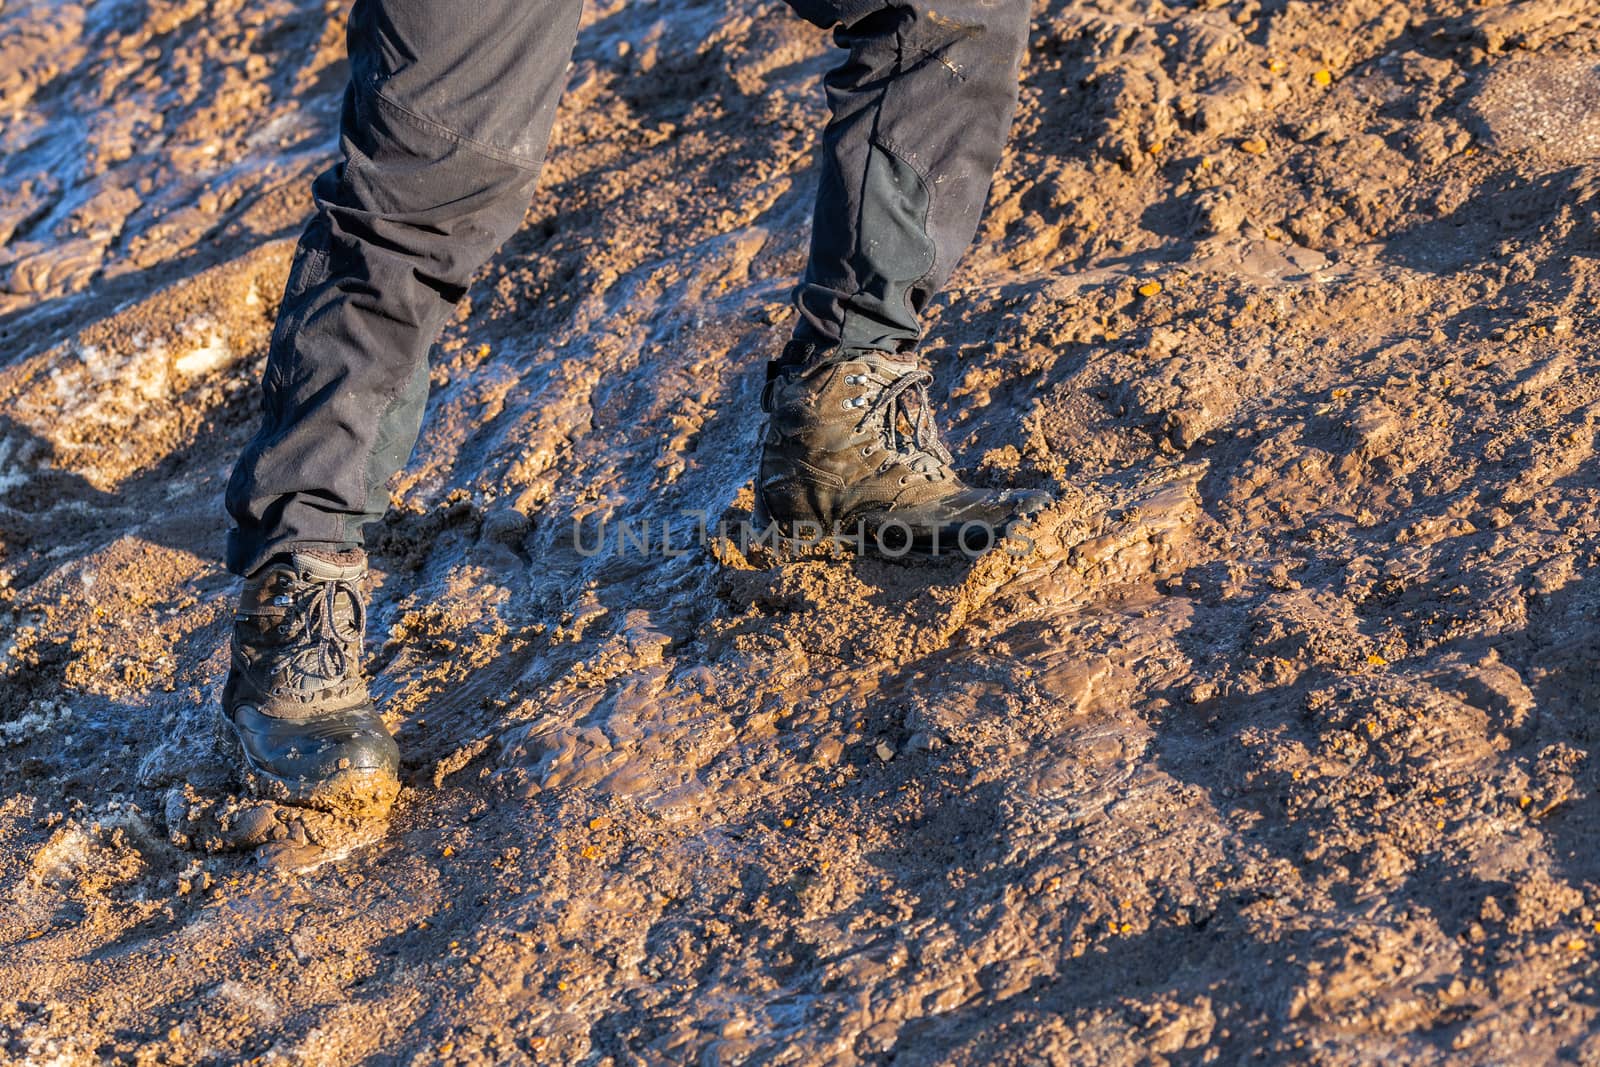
(296,699)
(852,453)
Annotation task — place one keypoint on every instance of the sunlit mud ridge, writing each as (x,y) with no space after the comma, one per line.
(1277,742)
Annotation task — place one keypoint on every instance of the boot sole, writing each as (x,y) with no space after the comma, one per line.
(358,794)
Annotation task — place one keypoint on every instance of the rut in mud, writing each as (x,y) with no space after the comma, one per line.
(1276,742)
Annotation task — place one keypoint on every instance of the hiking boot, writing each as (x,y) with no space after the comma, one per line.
(851,452)
(296,700)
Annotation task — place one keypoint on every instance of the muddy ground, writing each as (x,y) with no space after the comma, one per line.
(1277,744)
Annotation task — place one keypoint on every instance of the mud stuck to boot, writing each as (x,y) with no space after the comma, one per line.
(852,454)
(296,704)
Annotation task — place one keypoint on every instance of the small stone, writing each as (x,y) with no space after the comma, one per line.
(828,751)
(506,526)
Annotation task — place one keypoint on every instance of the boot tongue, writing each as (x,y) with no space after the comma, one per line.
(349,566)
(888,364)
(891,362)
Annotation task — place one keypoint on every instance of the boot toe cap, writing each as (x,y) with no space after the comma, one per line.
(303,756)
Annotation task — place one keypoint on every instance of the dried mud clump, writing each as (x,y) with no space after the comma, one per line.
(1273,741)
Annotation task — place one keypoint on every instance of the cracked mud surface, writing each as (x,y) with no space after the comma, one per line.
(1277,743)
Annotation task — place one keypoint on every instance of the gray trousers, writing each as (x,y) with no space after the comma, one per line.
(444,128)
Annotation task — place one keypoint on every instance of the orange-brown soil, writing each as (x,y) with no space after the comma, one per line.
(1277,744)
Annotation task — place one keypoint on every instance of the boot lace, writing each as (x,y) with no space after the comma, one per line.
(905,396)
(312,618)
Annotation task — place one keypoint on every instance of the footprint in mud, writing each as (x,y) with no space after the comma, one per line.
(207,811)
(283,837)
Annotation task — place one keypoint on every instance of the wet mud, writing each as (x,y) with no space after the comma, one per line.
(1275,742)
